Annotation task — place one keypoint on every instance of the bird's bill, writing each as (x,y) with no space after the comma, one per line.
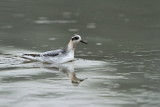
(83,42)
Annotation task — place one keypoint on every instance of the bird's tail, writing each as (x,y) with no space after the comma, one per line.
(33,55)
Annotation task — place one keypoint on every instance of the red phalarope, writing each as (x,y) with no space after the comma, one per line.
(59,55)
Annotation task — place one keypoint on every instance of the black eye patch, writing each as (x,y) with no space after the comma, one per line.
(75,38)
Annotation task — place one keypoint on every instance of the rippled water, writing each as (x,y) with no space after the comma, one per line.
(118,68)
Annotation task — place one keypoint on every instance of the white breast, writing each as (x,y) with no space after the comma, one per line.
(68,57)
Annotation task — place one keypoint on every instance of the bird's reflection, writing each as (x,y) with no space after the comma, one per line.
(69,69)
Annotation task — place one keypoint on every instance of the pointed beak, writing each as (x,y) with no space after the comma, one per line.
(83,42)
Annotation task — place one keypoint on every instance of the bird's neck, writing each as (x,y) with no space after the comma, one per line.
(71,46)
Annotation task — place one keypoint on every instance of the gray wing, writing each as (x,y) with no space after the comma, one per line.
(54,52)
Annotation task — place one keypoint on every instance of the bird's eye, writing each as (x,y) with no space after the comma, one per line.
(75,38)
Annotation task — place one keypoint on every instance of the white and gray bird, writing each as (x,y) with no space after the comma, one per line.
(59,55)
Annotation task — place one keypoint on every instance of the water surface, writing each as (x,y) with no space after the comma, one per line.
(118,68)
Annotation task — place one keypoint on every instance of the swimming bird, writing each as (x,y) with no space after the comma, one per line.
(59,55)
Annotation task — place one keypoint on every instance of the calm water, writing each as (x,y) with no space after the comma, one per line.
(120,67)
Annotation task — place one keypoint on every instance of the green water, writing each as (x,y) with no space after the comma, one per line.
(118,68)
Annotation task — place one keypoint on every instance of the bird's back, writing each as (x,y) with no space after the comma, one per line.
(54,52)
